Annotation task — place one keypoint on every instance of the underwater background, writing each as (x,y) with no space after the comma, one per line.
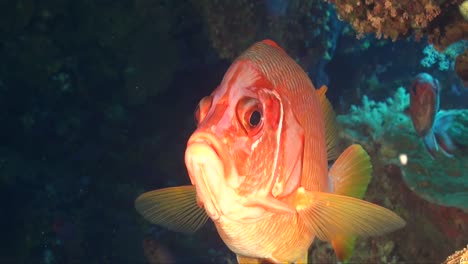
(97,102)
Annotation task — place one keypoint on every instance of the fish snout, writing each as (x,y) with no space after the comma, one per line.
(205,161)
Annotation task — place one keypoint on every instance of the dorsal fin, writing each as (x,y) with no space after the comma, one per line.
(331,132)
(272,43)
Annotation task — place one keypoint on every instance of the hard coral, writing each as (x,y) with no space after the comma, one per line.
(388,18)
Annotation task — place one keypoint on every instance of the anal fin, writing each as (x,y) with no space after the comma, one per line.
(247,260)
(344,247)
(303,259)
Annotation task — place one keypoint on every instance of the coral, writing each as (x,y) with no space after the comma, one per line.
(459,257)
(441,21)
(375,118)
(418,189)
(449,28)
(385,130)
(388,18)
(445,59)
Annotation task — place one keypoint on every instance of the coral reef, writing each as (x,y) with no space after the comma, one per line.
(445,59)
(424,192)
(449,27)
(390,19)
(459,257)
(385,130)
(442,22)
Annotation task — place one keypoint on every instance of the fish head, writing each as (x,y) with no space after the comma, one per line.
(234,158)
(424,102)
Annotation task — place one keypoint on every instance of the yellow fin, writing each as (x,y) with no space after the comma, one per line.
(331,131)
(303,259)
(175,208)
(331,215)
(351,172)
(344,247)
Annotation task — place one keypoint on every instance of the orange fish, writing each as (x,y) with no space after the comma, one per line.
(258,164)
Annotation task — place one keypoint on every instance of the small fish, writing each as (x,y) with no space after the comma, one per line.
(258,164)
(424,105)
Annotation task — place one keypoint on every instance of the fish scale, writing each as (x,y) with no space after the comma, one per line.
(282,72)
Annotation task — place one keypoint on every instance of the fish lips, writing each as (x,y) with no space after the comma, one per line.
(207,168)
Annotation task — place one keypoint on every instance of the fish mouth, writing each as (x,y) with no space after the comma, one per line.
(207,170)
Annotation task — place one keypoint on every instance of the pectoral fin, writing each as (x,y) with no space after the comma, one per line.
(175,208)
(430,143)
(331,130)
(331,215)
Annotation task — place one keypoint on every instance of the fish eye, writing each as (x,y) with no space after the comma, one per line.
(249,114)
(255,118)
(202,109)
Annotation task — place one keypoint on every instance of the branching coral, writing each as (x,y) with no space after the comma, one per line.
(388,18)
(442,22)
(445,59)
(374,119)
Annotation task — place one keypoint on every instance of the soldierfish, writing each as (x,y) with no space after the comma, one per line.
(424,105)
(258,164)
